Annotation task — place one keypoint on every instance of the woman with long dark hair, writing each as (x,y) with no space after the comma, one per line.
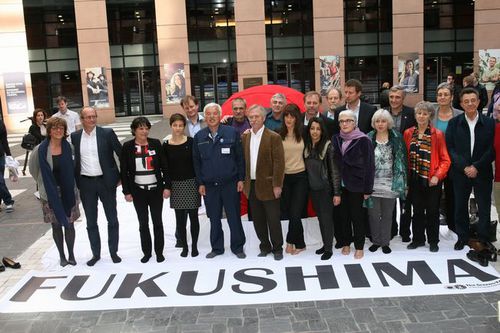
(294,195)
(324,180)
(37,128)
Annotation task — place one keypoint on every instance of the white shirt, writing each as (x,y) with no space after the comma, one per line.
(472,126)
(355,110)
(255,139)
(194,128)
(72,119)
(89,155)
(306,121)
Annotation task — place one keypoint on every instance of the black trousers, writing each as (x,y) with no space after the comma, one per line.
(404,217)
(425,200)
(323,205)
(482,193)
(181,216)
(266,221)
(294,200)
(92,190)
(152,200)
(449,201)
(353,219)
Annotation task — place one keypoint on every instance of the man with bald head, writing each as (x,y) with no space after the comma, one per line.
(97,177)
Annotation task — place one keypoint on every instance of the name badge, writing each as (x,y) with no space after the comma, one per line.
(226,151)
(152,153)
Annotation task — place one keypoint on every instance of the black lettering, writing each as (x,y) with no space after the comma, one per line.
(295,278)
(356,276)
(187,283)
(465,266)
(33,284)
(266,284)
(420,267)
(148,287)
(70,293)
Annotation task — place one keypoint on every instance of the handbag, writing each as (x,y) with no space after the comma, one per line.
(29,141)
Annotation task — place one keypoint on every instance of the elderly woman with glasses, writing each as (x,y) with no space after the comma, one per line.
(355,158)
(390,178)
(51,165)
(428,164)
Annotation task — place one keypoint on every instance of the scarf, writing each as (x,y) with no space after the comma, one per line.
(348,137)
(60,204)
(420,156)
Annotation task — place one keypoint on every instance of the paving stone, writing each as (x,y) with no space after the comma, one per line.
(394,326)
(420,327)
(245,329)
(341,325)
(317,325)
(196,328)
(305,314)
(336,313)
(452,323)
(232,322)
(454,313)
(207,309)
(429,317)
(358,303)
(413,306)
(265,313)
(80,330)
(383,302)
(377,327)
(329,304)
(281,311)
(435,303)
(300,326)
(249,312)
(363,315)
(250,321)
(163,322)
(477,320)
(112,317)
(219,328)
(227,311)
(308,304)
(479,309)
(186,317)
(278,325)
(484,329)
(42,326)
(388,313)
(173,329)
(87,322)
(211,320)
(108,328)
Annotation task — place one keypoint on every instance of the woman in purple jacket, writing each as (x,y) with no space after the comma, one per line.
(354,156)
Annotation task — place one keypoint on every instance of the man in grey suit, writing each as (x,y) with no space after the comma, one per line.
(97,177)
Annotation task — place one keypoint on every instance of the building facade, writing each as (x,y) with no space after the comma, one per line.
(138,57)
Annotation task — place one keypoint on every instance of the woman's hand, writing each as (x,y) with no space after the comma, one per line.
(366,196)
(434,181)
(128,197)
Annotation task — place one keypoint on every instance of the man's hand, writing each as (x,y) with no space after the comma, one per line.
(239,186)
(277,192)
(470,171)
(434,181)
(128,197)
(202,190)
(225,119)
(336,200)
(366,196)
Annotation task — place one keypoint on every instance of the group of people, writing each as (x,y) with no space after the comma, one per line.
(352,160)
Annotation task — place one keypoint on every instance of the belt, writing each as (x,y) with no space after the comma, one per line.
(91,177)
(147,187)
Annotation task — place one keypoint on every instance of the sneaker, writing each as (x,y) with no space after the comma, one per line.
(37,195)
(9,208)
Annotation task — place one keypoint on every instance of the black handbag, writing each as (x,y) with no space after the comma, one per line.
(29,141)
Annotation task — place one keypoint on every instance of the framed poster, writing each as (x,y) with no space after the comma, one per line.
(489,67)
(175,82)
(97,87)
(329,74)
(408,71)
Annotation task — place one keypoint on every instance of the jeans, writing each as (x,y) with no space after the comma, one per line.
(4,191)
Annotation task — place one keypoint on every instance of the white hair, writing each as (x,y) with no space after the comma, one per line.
(210,106)
(383,114)
(348,114)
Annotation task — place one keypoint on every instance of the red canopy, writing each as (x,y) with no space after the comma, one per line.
(262,95)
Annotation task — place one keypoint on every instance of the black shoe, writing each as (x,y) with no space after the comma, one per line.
(178,243)
(386,249)
(145,259)
(212,254)
(72,261)
(184,252)
(459,245)
(320,251)
(405,239)
(160,258)
(338,245)
(278,256)
(263,254)
(116,259)
(241,255)
(2,268)
(414,245)
(373,248)
(433,247)
(194,252)
(10,263)
(476,256)
(326,255)
(63,262)
(92,261)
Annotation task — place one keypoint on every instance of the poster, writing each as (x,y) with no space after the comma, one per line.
(97,87)
(329,74)
(408,72)
(15,93)
(489,67)
(175,82)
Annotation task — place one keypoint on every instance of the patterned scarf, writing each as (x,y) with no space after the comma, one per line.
(420,156)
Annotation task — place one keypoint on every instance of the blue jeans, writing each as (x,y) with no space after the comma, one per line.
(4,191)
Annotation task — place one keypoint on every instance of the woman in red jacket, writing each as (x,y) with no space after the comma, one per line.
(428,164)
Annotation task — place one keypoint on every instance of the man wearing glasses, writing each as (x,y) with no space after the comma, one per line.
(97,177)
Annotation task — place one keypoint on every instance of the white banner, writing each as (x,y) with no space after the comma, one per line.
(226,280)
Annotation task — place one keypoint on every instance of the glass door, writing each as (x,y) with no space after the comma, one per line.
(296,74)
(218,83)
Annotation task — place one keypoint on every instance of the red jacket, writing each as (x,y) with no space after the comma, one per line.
(440,160)
(497,151)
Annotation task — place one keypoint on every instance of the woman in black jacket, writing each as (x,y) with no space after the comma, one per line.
(37,129)
(145,182)
(324,180)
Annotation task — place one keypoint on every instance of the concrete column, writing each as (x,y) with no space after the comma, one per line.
(328,27)
(93,49)
(171,26)
(250,40)
(408,37)
(14,59)
(486,27)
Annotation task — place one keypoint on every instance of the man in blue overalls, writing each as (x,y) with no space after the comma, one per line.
(220,171)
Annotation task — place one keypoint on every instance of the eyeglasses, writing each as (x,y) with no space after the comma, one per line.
(58,128)
(346,121)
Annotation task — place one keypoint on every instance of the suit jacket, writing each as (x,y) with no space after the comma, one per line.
(407,118)
(270,170)
(458,142)
(365,115)
(329,124)
(107,144)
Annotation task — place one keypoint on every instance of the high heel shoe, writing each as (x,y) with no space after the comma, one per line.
(10,263)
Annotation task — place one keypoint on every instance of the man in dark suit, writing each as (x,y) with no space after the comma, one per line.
(363,111)
(97,177)
(469,138)
(264,174)
(404,118)
(312,103)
